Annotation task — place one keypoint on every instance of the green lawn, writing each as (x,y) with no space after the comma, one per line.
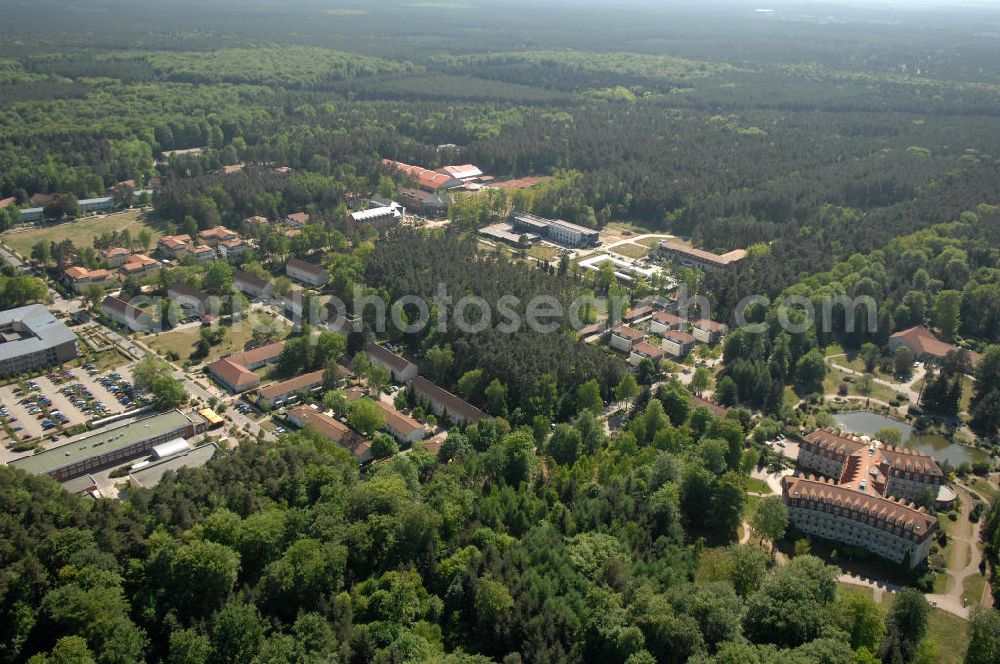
(983,487)
(631,250)
(650,242)
(973,587)
(948,633)
(83,232)
(756,485)
(543,252)
(835,377)
(182,342)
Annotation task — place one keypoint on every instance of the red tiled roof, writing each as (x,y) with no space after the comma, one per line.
(637,312)
(887,513)
(425,178)
(6,202)
(628,332)
(679,337)
(298,217)
(707,256)
(716,409)
(923,342)
(667,318)
(175,241)
(397,421)
(649,350)
(77,273)
(710,325)
(232,373)
(220,232)
(833,442)
(304,382)
(259,354)
(114,251)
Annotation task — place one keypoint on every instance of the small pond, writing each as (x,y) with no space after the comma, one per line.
(866,424)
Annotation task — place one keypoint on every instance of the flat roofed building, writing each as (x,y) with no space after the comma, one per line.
(446,405)
(681,253)
(150,474)
(31,337)
(286,391)
(401,369)
(556,230)
(307,273)
(505,233)
(108,447)
(380,218)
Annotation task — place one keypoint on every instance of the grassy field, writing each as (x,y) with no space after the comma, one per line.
(543,252)
(973,587)
(756,485)
(835,377)
(983,487)
(948,633)
(182,342)
(82,232)
(631,250)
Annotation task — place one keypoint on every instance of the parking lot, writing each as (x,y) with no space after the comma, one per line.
(64,398)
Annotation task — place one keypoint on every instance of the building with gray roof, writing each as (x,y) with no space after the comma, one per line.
(150,474)
(31,337)
(103,449)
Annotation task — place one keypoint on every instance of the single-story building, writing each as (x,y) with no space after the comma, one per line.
(297,219)
(925,346)
(148,475)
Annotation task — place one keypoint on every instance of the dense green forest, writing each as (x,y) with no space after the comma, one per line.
(857,146)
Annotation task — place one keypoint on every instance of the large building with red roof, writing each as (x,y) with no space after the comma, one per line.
(862,492)
(923,344)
